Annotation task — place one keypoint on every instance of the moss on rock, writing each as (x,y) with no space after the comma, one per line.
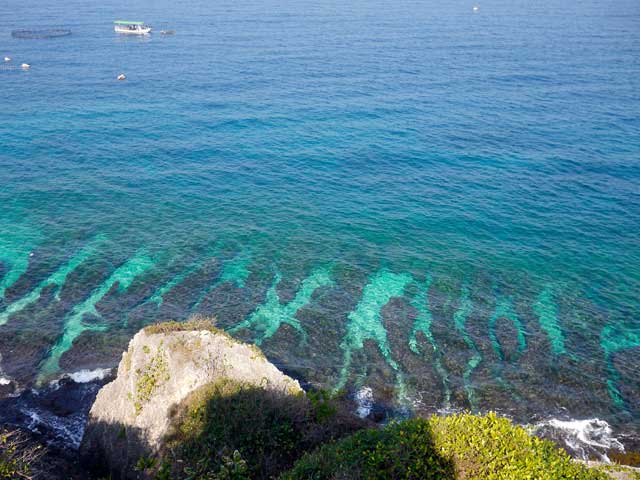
(149,378)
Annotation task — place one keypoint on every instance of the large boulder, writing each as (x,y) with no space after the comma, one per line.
(164,364)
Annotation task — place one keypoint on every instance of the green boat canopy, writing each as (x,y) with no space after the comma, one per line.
(126,22)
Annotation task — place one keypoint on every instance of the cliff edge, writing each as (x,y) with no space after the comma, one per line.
(132,416)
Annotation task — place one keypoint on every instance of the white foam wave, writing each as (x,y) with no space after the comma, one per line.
(584,437)
(3,380)
(425,403)
(85,376)
(450,410)
(70,429)
(364,400)
(35,419)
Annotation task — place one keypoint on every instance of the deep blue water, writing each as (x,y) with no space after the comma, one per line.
(440,204)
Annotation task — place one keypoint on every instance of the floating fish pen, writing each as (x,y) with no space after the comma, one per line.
(40,33)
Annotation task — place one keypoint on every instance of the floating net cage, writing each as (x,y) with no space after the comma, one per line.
(40,33)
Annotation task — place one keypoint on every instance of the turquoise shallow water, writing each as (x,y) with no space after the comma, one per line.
(438,204)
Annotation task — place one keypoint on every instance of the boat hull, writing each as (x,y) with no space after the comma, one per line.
(137,31)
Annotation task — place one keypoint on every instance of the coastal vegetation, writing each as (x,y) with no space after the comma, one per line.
(262,434)
(314,437)
(19,457)
(150,378)
(246,420)
(234,428)
(459,446)
(195,323)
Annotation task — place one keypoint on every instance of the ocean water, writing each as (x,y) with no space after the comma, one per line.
(433,208)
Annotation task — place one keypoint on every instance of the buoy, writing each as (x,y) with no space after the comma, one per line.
(121,76)
(7,59)
(476,8)
(25,66)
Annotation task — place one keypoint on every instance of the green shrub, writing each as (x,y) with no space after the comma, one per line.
(399,451)
(194,323)
(323,406)
(145,463)
(230,430)
(492,448)
(18,455)
(233,468)
(458,446)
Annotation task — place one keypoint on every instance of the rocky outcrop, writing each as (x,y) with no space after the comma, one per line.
(164,364)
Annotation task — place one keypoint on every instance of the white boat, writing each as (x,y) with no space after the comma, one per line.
(131,28)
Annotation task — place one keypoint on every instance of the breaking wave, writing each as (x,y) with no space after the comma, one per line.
(85,376)
(364,400)
(57,411)
(584,439)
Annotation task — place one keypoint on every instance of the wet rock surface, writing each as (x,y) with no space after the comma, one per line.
(56,412)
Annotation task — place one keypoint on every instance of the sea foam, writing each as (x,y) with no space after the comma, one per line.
(364,400)
(86,376)
(583,437)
